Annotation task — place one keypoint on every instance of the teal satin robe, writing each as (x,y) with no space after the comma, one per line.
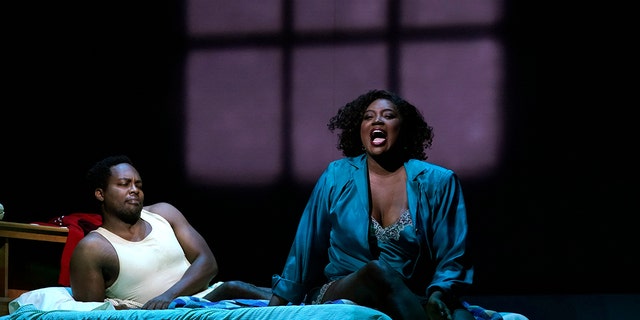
(332,239)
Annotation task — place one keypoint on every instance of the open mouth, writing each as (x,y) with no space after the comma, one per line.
(378,137)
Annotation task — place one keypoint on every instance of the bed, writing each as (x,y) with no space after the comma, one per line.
(57,303)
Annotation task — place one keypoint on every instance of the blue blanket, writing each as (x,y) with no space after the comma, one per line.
(57,303)
(311,312)
(478,312)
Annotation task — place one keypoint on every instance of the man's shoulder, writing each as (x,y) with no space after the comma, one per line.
(92,242)
(162,211)
(158,207)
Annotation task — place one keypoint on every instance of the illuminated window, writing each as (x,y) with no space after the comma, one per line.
(264,77)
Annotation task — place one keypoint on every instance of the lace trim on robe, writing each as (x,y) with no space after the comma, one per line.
(391,231)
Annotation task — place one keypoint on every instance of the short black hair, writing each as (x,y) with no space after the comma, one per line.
(99,173)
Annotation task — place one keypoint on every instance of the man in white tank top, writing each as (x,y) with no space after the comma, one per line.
(144,256)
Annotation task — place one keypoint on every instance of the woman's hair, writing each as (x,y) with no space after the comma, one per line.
(99,174)
(415,134)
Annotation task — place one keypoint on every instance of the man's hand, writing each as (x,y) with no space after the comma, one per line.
(160,302)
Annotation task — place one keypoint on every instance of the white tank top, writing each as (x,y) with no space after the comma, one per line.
(148,267)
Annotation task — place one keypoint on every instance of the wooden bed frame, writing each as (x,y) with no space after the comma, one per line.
(26,231)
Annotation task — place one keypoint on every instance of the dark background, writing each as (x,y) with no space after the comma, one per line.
(558,217)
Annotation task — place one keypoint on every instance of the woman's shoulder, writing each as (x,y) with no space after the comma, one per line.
(357,162)
(423,164)
(340,171)
(344,163)
(428,170)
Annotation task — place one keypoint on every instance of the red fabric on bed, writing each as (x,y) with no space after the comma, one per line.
(79,225)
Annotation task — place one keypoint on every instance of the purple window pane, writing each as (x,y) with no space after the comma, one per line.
(233,117)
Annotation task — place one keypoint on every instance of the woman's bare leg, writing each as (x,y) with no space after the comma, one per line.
(378,286)
(229,290)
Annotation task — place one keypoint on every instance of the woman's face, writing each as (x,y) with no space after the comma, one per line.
(380,127)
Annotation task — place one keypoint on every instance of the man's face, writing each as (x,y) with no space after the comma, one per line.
(123,195)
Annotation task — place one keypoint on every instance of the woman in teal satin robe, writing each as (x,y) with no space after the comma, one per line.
(382,228)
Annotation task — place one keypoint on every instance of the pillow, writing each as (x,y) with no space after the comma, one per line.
(55,298)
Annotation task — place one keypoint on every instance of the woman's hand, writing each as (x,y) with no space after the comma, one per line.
(436,309)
